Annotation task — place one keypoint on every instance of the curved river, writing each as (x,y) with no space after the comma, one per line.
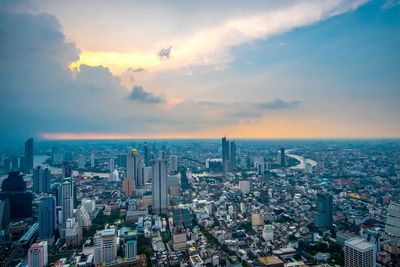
(303,160)
(39,160)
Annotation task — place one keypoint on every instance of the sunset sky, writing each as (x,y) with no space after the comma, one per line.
(199,69)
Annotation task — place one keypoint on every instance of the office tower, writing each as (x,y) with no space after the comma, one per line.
(121,161)
(67,199)
(4,220)
(359,253)
(392,226)
(105,246)
(92,156)
(81,161)
(37,255)
(259,164)
(268,232)
(13,188)
(181,216)
(58,155)
(66,170)
(130,245)
(324,213)
(146,152)
(160,190)
(28,157)
(132,172)
(47,217)
(83,218)
(173,163)
(233,155)
(112,167)
(283,157)
(225,153)
(41,180)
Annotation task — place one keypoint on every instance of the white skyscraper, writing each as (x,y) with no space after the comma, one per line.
(112,165)
(392,226)
(92,155)
(67,200)
(105,246)
(358,252)
(89,205)
(160,189)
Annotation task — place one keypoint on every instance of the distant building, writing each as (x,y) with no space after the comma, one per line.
(283,158)
(41,180)
(392,226)
(105,246)
(132,172)
(47,218)
(121,161)
(4,220)
(146,152)
(13,188)
(38,255)
(244,187)
(214,165)
(225,154)
(73,233)
(324,213)
(89,205)
(58,155)
(173,163)
(130,245)
(160,190)
(92,158)
(112,165)
(233,155)
(268,232)
(359,253)
(28,157)
(81,161)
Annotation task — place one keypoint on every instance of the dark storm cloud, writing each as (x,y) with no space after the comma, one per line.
(141,95)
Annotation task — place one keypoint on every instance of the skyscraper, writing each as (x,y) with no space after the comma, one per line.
(324,213)
(28,157)
(37,255)
(392,226)
(173,163)
(81,161)
(112,163)
(160,190)
(47,217)
(132,172)
(105,246)
(233,155)
(13,188)
(146,152)
(283,157)
(67,199)
(181,216)
(359,252)
(41,180)
(225,150)
(92,157)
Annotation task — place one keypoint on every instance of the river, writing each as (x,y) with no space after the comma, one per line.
(303,161)
(39,160)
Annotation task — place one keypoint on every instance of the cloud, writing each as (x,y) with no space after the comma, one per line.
(141,95)
(280,104)
(136,69)
(164,53)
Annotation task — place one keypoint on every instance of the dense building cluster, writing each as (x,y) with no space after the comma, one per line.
(201,203)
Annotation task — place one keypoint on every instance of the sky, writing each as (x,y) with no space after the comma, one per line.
(199,69)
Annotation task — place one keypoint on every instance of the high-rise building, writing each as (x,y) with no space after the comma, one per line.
(130,245)
(89,205)
(160,189)
(173,163)
(47,217)
(146,152)
(392,226)
(121,161)
(66,170)
(28,157)
(58,155)
(41,180)
(181,216)
(324,213)
(132,172)
(112,165)
(13,188)
(38,255)
(81,161)
(225,153)
(67,199)
(233,155)
(92,158)
(73,233)
(105,246)
(283,157)
(4,220)
(359,253)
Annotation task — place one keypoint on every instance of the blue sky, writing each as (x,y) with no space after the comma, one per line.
(265,69)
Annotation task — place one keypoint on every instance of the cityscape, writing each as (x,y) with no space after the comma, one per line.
(200,133)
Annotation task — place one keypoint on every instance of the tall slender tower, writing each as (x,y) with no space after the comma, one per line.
(324,213)
(41,180)
(225,154)
(132,172)
(283,157)
(28,158)
(233,155)
(67,199)
(47,217)
(160,190)
(146,151)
